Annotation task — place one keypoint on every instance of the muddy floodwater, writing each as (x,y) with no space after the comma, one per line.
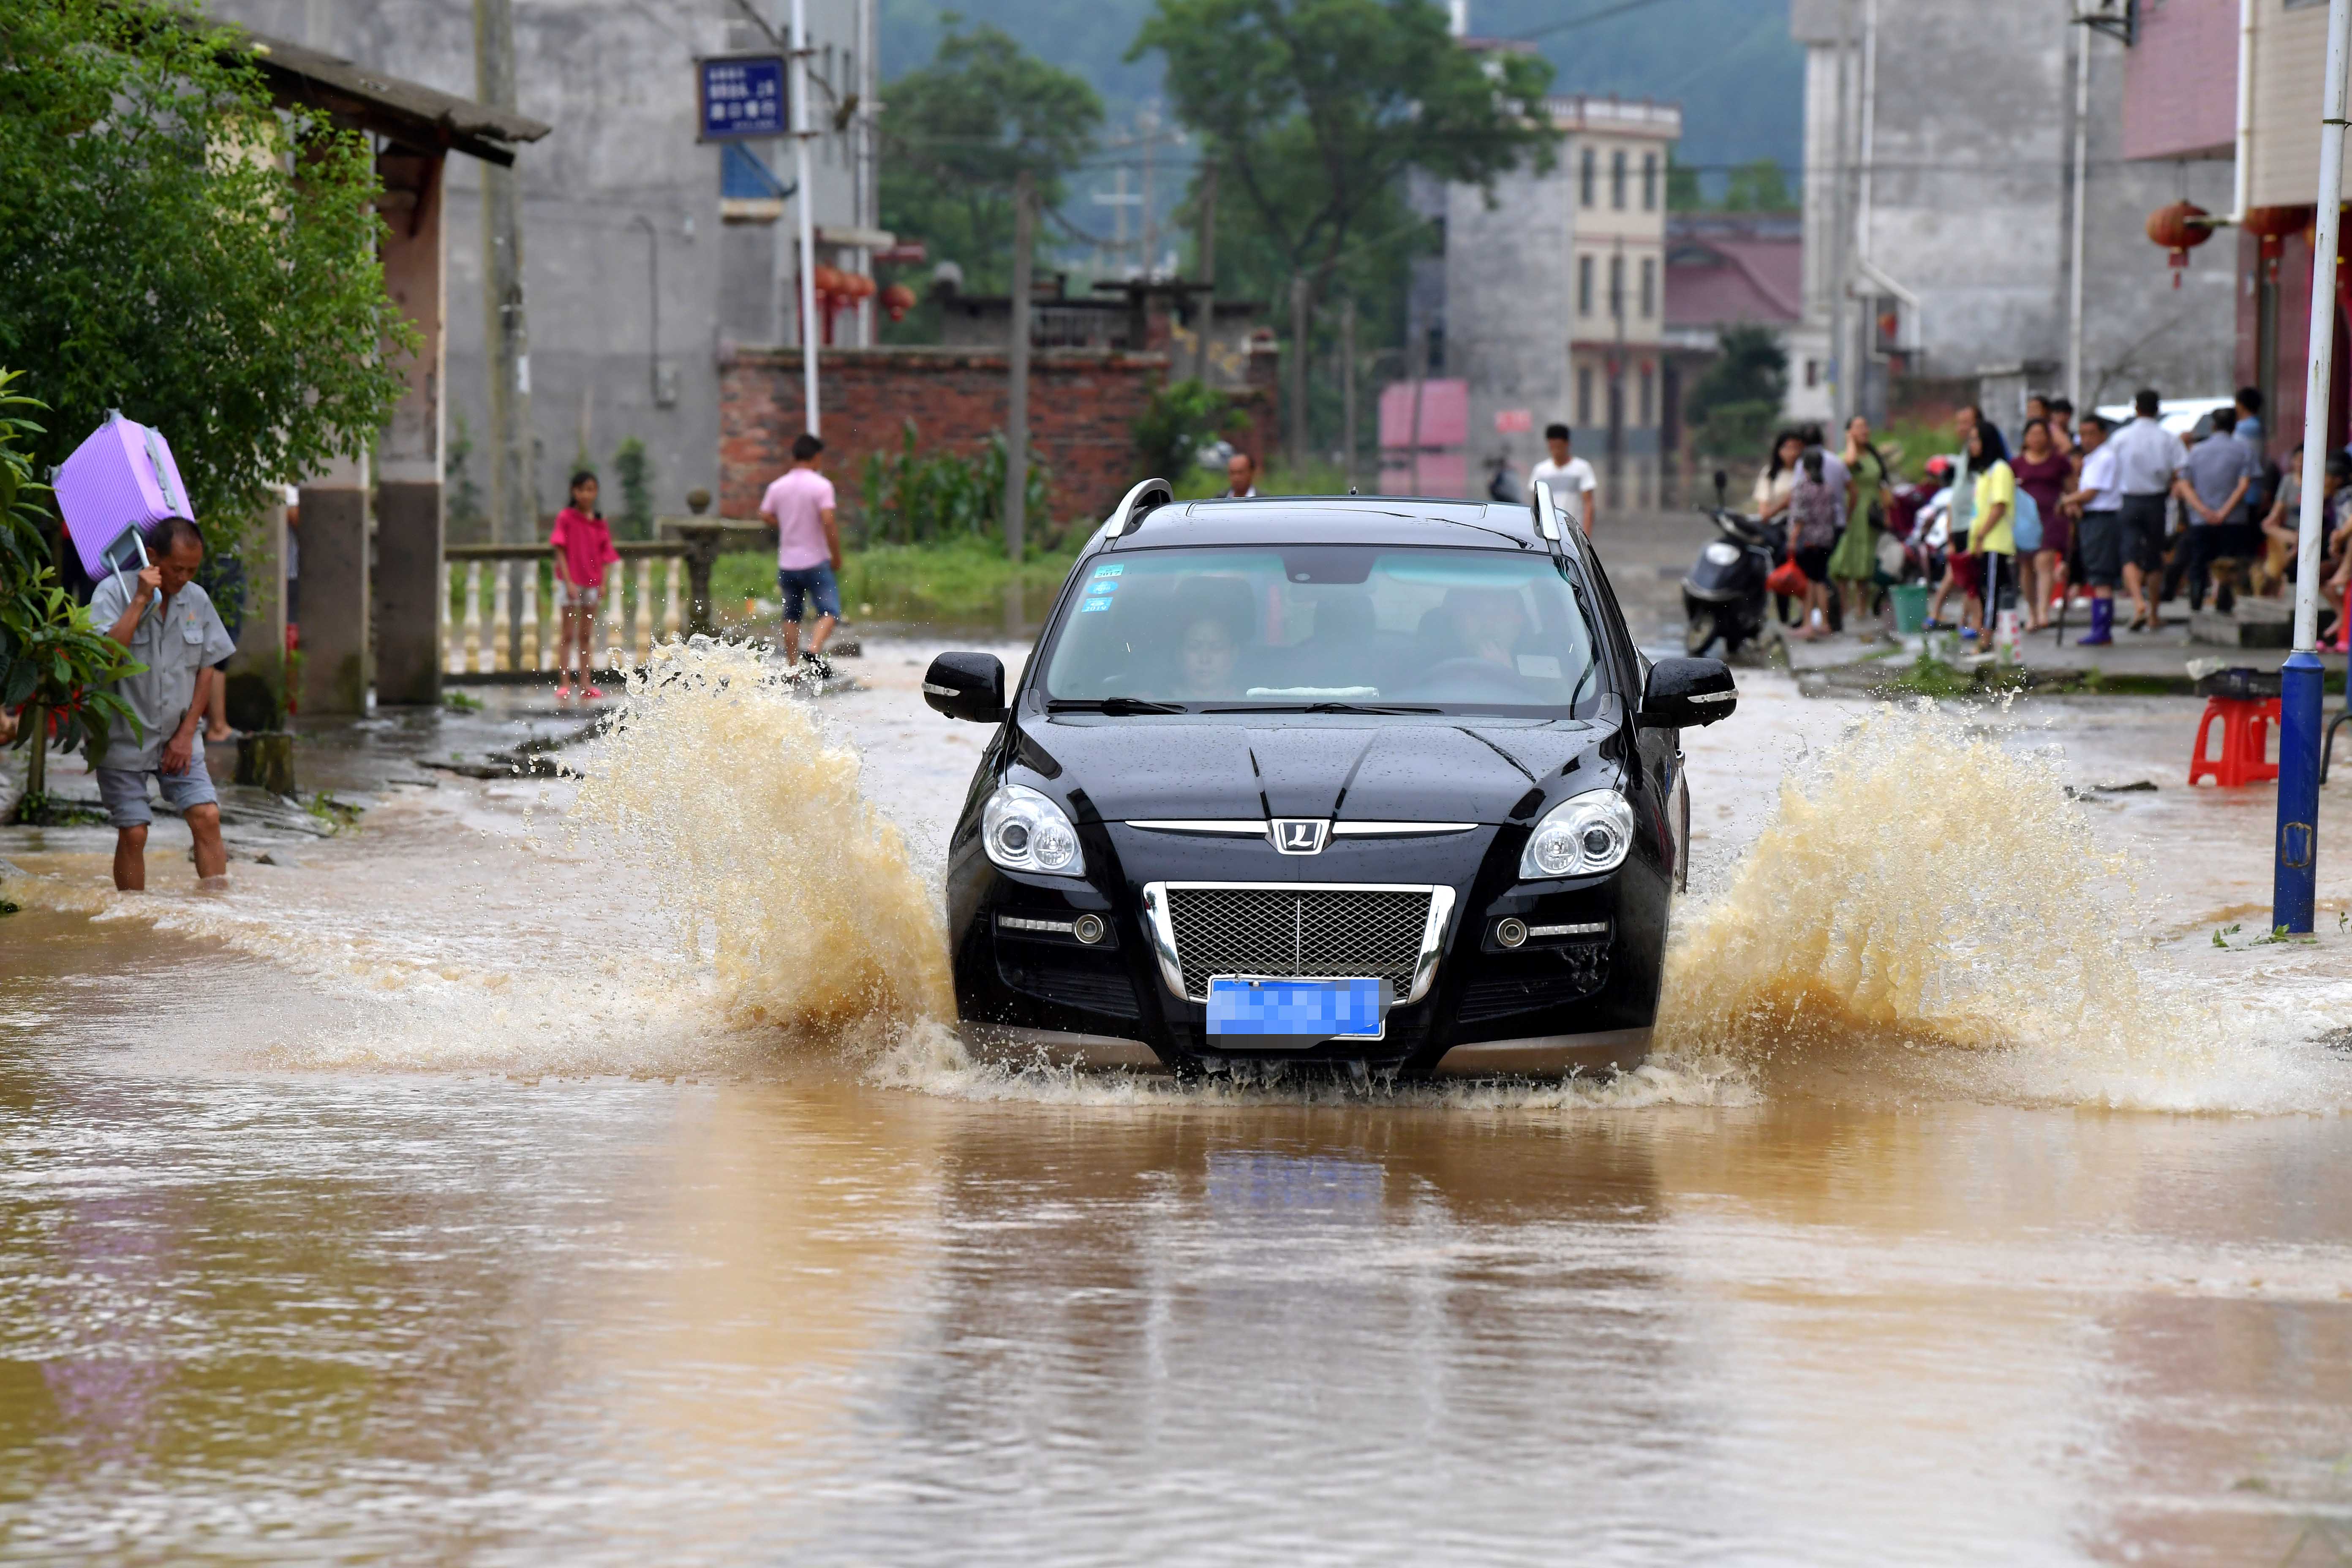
(576,1171)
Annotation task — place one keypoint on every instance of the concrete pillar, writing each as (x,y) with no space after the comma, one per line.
(336,666)
(261,641)
(406,598)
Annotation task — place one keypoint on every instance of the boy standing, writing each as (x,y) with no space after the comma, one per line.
(1574,487)
(169,624)
(808,551)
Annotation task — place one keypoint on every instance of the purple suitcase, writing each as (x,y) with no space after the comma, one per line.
(114,490)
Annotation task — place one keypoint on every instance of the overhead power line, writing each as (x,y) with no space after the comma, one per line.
(1586,20)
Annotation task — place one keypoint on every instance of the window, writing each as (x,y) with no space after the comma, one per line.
(1648,287)
(1649,395)
(1584,394)
(1649,182)
(1617,287)
(1617,179)
(1584,285)
(1588,173)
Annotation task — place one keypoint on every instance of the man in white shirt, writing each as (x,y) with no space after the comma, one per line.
(2099,538)
(1574,487)
(2148,459)
(1241,477)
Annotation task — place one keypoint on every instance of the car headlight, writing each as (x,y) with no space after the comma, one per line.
(1582,837)
(1026,831)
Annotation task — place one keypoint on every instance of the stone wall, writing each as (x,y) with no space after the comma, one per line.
(1082,405)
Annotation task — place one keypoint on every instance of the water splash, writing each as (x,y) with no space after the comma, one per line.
(746,824)
(1927,909)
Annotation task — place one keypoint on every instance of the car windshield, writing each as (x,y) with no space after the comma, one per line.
(1325,626)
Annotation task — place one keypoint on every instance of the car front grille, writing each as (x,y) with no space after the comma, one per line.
(1368,932)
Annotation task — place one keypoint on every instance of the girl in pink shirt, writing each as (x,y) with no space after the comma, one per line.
(584,548)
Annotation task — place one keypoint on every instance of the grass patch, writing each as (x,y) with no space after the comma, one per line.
(959,583)
(57,811)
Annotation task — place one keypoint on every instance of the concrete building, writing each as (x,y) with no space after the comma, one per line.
(1550,302)
(2182,98)
(1940,191)
(639,271)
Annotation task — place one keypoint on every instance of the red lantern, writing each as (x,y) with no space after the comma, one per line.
(828,281)
(866,287)
(2179,228)
(2272,225)
(898,299)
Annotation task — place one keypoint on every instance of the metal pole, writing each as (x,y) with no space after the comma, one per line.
(1017,401)
(652,308)
(2081,172)
(2296,868)
(1208,320)
(1347,386)
(1838,359)
(811,334)
(514,488)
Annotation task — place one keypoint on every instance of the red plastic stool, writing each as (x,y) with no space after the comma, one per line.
(2246,726)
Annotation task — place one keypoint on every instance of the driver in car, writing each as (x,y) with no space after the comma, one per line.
(1204,665)
(1491,623)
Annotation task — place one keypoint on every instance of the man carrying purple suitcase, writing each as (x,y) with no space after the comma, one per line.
(169,624)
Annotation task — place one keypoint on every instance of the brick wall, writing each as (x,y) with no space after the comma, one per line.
(2180,79)
(1082,403)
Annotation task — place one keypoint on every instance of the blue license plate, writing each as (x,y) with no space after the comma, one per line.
(1251,1009)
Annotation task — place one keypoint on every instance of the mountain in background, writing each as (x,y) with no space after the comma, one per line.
(1741,85)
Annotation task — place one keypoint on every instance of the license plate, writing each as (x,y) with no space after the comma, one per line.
(1272,1011)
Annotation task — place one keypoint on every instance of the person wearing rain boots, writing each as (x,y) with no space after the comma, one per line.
(2099,538)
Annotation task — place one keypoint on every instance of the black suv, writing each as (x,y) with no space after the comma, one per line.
(1372,782)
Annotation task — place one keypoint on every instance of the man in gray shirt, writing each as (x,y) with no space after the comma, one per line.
(169,624)
(2221,472)
(2148,459)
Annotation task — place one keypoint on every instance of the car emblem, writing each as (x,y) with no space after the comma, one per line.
(1301,834)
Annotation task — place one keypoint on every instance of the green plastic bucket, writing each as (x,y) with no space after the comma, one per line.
(1910,606)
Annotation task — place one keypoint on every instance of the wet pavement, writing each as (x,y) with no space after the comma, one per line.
(507,1179)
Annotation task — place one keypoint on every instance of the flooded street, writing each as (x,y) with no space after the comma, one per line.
(576,1171)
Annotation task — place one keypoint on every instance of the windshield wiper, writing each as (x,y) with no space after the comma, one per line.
(1325,707)
(1114,706)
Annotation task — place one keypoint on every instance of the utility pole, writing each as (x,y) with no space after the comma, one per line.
(514,486)
(1347,386)
(811,334)
(1841,361)
(2075,239)
(1017,401)
(2296,859)
(1298,323)
(1208,246)
(1147,122)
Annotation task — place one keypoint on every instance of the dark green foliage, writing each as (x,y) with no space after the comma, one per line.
(910,498)
(1315,109)
(56,668)
(960,130)
(1732,406)
(1182,417)
(633,470)
(1759,187)
(161,258)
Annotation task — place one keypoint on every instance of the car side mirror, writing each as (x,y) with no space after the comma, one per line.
(966,686)
(1682,693)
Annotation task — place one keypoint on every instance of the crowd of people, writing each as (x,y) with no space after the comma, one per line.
(2105,511)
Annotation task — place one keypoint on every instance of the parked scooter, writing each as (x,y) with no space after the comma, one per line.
(1723,592)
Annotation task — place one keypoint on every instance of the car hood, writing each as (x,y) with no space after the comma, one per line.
(1371,770)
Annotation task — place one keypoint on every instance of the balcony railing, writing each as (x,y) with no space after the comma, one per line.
(490,628)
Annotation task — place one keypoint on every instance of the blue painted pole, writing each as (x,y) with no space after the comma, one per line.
(2295,877)
(2295,850)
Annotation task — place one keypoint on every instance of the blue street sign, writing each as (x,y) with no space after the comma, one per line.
(741,96)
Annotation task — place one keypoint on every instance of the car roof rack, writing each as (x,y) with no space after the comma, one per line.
(1143,497)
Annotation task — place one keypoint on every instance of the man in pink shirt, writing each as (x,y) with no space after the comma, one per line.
(808,551)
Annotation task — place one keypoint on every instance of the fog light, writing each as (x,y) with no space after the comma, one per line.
(1088,928)
(1511,932)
